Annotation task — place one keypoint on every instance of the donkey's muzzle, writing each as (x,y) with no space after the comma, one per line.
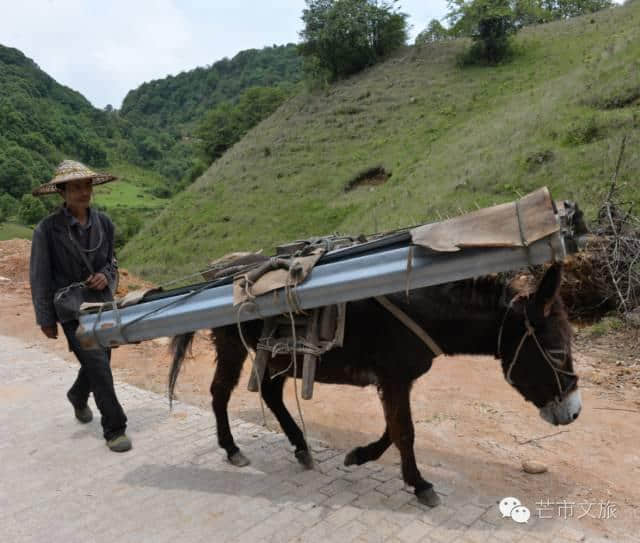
(564,411)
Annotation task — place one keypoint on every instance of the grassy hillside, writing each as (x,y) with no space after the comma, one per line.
(10,230)
(451,138)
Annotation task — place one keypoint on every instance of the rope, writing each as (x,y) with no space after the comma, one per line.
(295,376)
(180,279)
(252,355)
(530,332)
(410,324)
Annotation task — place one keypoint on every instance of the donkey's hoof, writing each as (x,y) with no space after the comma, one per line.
(352,458)
(428,497)
(305,458)
(238,459)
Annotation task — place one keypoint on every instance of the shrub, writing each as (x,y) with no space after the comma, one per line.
(31,210)
(490,23)
(8,206)
(582,132)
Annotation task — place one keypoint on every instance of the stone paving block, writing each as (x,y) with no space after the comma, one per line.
(390,487)
(400,498)
(348,532)
(438,515)
(343,515)
(320,532)
(469,513)
(364,486)
(570,533)
(371,499)
(414,531)
(383,475)
(448,531)
(340,499)
(357,474)
(336,486)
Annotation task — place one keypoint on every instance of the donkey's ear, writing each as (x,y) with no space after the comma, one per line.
(549,288)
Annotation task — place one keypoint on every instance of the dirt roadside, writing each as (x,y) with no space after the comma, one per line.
(472,430)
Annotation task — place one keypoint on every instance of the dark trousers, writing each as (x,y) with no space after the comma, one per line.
(95,376)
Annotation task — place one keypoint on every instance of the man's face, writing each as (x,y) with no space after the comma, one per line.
(78,193)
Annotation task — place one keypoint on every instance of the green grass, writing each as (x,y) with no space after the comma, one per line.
(604,327)
(453,138)
(9,230)
(132,189)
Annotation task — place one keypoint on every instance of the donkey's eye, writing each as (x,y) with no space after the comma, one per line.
(569,382)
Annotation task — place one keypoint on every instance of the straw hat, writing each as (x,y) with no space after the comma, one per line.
(70,170)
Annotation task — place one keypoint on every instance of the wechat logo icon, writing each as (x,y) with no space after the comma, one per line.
(511,507)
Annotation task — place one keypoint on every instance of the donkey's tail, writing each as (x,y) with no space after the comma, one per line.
(180,345)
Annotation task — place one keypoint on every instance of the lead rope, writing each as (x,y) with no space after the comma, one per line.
(292,299)
(82,252)
(252,356)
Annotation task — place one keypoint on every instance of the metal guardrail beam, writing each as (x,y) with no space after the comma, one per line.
(375,274)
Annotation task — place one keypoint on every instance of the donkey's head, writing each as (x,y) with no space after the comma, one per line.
(534,344)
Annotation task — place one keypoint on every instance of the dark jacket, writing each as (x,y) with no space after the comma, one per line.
(55,262)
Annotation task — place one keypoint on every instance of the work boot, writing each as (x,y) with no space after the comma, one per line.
(83,414)
(120,443)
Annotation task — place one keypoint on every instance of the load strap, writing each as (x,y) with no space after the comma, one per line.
(410,324)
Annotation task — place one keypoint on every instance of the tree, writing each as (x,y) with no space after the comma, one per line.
(465,15)
(341,37)
(15,172)
(258,103)
(31,210)
(490,23)
(8,206)
(530,12)
(226,124)
(434,32)
(218,131)
(563,9)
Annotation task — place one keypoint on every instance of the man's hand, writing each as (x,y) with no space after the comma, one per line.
(50,331)
(97,281)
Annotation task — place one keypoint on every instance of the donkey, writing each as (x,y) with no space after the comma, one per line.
(529,333)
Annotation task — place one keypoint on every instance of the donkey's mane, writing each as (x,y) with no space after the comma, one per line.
(461,299)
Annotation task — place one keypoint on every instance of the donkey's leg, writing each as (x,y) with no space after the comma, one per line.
(373,451)
(272,394)
(231,354)
(397,412)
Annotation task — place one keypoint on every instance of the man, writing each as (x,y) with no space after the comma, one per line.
(74,245)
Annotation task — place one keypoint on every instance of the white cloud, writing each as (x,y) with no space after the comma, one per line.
(104,48)
(100,49)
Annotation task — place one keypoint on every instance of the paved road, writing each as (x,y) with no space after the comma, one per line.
(59,482)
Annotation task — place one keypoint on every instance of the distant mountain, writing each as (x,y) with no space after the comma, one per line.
(165,114)
(42,121)
(178,102)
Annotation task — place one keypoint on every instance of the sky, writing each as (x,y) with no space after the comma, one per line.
(104,48)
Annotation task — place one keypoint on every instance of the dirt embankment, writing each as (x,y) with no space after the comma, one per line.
(472,429)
